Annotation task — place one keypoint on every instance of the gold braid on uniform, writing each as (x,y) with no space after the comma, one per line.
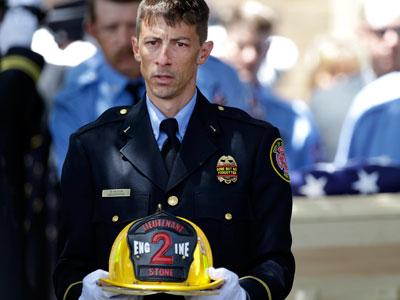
(17,62)
(260,282)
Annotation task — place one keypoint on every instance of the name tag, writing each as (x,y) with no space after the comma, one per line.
(116,193)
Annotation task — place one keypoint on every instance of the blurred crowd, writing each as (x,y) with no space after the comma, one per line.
(342,139)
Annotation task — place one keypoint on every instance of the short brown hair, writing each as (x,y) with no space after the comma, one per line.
(191,12)
(254,15)
(90,9)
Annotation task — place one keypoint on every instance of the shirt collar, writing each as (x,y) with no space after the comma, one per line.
(182,117)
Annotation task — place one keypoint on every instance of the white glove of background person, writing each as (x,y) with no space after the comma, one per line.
(17,29)
(91,291)
(231,290)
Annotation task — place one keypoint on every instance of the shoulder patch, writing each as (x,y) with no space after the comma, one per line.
(278,159)
(111,115)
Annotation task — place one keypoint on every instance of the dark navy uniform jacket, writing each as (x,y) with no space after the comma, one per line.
(27,221)
(247,222)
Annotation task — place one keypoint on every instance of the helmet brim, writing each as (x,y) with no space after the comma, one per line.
(153,288)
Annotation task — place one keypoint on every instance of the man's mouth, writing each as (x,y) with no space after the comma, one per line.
(163,78)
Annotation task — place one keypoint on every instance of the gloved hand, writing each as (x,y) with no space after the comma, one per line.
(91,291)
(231,290)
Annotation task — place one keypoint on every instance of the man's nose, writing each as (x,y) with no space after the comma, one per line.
(391,37)
(164,55)
(249,54)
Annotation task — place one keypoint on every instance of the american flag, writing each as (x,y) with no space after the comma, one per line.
(354,178)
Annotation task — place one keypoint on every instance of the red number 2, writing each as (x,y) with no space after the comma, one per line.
(159,257)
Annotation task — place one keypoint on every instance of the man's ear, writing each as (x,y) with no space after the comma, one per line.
(205,51)
(135,48)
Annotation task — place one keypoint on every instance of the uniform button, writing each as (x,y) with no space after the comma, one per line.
(221,108)
(228,216)
(115,218)
(123,111)
(36,141)
(173,200)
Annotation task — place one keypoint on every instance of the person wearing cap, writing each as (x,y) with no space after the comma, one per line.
(24,167)
(214,165)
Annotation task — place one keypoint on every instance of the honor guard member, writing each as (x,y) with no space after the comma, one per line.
(211,164)
(112,77)
(27,225)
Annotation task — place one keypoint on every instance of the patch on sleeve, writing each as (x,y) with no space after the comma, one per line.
(278,159)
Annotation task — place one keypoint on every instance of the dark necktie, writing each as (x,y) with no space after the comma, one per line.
(134,90)
(171,146)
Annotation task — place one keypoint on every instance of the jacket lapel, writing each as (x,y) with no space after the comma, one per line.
(197,145)
(141,149)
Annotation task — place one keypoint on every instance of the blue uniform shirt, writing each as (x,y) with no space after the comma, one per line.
(89,89)
(297,126)
(383,89)
(375,134)
(220,83)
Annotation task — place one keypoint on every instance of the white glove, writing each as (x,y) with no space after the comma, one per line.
(231,290)
(91,291)
(17,29)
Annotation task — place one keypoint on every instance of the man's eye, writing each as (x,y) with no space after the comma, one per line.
(181,44)
(151,43)
(110,28)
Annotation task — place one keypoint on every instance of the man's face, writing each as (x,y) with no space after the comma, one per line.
(247,50)
(113,27)
(169,57)
(384,48)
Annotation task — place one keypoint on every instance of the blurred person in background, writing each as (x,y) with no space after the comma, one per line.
(220,83)
(111,77)
(373,164)
(367,160)
(381,33)
(249,28)
(334,78)
(24,166)
(375,135)
(11,279)
(62,43)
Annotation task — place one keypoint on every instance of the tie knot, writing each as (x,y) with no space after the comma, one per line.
(170,127)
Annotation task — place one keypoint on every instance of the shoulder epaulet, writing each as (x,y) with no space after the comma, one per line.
(114,114)
(239,115)
(24,60)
